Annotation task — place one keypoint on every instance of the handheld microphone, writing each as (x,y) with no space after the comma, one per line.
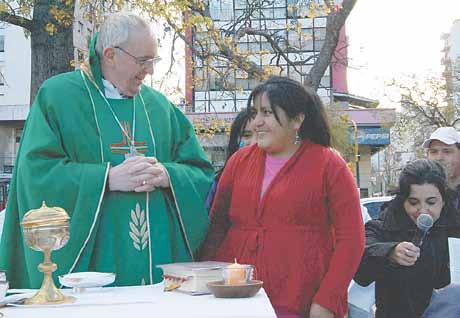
(424,224)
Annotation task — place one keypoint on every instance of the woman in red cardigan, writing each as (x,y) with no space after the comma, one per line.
(289,205)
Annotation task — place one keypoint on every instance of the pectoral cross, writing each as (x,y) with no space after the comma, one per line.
(127,146)
(132,151)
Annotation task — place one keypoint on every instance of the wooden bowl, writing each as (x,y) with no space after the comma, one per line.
(220,290)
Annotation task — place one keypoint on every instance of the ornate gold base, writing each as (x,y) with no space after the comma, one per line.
(48,294)
(43,298)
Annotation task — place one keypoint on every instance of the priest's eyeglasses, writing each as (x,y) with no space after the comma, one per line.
(141,61)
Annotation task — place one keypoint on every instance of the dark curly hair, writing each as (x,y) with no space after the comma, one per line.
(422,171)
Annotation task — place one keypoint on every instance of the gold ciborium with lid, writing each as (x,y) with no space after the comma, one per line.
(45,230)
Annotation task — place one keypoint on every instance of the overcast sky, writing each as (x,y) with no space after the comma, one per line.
(394,37)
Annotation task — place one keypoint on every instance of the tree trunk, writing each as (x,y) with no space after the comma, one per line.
(334,24)
(51,54)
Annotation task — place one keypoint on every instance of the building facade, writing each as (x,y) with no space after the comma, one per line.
(287,25)
(451,61)
(15,72)
(15,61)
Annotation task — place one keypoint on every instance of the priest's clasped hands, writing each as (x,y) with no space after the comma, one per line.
(138,174)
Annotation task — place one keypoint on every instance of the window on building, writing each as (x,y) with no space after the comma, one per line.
(254,47)
(266,46)
(214,9)
(239,13)
(267,13)
(226,10)
(279,13)
(241,4)
(294,39)
(243,47)
(199,79)
(2,76)
(326,81)
(2,43)
(296,9)
(242,83)
(18,135)
(253,83)
(320,34)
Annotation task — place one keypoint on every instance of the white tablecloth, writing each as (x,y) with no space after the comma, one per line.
(168,305)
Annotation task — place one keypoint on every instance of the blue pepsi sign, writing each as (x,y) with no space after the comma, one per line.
(371,136)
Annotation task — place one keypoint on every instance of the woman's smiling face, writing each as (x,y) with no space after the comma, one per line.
(424,198)
(273,136)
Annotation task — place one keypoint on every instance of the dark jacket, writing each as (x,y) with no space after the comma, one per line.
(405,291)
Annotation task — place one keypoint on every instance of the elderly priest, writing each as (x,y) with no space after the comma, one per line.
(118,157)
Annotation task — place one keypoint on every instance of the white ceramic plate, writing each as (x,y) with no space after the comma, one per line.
(87,279)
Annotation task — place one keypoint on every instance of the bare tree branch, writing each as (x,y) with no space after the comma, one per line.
(17,20)
(333,27)
(172,59)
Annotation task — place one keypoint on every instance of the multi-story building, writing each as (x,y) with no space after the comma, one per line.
(287,25)
(451,61)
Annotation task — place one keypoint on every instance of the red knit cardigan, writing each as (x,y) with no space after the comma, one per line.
(305,236)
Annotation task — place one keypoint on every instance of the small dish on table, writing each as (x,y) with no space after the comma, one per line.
(80,281)
(221,290)
(3,289)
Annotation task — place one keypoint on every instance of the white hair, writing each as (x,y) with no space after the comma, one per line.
(117,29)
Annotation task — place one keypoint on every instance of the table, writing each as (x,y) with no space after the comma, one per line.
(150,301)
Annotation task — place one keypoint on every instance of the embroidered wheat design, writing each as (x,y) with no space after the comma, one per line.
(138,228)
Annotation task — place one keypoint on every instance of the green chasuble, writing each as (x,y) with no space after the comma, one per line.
(70,140)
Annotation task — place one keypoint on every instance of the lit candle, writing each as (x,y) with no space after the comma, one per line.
(236,274)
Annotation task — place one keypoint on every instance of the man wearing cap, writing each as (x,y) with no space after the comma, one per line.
(444,146)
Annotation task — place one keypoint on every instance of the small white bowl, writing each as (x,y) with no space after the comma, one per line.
(82,280)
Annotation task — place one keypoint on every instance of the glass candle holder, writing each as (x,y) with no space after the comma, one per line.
(237,274)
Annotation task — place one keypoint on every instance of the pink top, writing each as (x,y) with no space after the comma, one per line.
(272,166)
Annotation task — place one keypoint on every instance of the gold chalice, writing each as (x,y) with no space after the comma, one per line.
(45,230)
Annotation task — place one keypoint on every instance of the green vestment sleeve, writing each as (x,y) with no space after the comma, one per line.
(190,178)
(44,172)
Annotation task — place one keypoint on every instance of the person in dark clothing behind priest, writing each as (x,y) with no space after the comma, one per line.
(405,275)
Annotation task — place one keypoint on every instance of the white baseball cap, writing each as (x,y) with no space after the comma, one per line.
(447,135)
